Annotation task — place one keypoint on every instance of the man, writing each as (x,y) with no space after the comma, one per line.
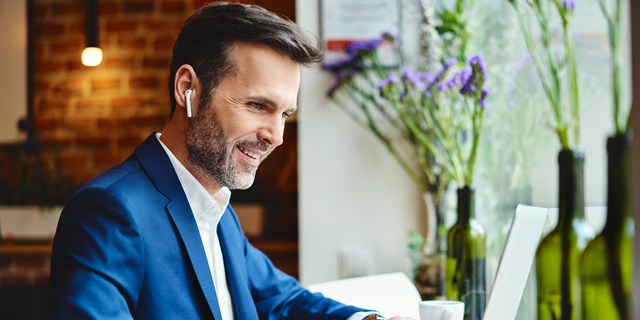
(154,237)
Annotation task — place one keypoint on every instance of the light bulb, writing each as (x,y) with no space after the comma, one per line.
(91,56)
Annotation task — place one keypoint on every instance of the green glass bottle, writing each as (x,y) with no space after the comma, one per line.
(466,258)
(606,267)
(558,255)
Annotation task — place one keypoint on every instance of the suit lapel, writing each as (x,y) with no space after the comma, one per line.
(156,163)
(231,242)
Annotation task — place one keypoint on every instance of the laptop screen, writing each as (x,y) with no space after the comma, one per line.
(515,263)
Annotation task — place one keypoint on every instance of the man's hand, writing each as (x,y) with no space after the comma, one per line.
(401,318)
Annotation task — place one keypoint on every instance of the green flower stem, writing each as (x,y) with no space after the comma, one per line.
(421,136)
(386,141)
(477,129)
(552,94)
(400,127)
(614,23)
(572,71)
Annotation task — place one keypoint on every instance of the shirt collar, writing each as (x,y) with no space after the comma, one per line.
(202,203)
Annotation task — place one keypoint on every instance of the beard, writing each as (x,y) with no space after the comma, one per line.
(210,151)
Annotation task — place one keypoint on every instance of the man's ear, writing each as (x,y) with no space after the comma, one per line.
(186,79)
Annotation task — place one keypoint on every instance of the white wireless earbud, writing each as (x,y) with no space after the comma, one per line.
(188,94)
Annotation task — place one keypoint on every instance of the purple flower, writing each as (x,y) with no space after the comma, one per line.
(339,79)
(442,73)
(484,93)
(569,5)
(450,63)
(442,86)
(388,81)
(389,36)
(356,47)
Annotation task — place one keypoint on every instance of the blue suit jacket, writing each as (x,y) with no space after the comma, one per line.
(127,246)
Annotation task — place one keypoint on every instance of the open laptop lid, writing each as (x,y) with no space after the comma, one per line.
(515,263)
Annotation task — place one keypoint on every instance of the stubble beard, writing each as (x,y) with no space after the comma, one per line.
(210,151)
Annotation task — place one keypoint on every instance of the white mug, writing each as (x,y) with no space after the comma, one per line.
(441,310)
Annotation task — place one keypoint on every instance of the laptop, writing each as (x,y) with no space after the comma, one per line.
(515,263)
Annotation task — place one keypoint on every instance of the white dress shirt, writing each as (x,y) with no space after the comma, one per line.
(207,210)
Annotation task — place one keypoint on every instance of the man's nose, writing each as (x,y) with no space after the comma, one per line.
(272,133)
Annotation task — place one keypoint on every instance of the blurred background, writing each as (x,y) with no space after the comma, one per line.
(331,202)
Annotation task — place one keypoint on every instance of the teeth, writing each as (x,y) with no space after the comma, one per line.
(249,153)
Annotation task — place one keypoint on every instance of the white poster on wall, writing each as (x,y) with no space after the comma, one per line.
(13,68)
(346,21)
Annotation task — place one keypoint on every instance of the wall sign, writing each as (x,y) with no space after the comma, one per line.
(345,21)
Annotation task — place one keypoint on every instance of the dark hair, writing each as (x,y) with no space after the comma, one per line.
(209,34)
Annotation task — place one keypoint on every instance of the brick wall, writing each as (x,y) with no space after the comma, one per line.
(89,119)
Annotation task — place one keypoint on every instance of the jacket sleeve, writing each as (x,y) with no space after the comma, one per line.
(280,296)
(98,260)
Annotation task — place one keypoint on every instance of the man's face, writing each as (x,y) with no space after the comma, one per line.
(244,121)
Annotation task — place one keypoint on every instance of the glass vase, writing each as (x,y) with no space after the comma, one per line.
(558,255)
(607,263)
(429,263)
(466,258)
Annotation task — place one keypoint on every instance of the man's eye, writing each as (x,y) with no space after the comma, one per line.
(286,115)
(257,105)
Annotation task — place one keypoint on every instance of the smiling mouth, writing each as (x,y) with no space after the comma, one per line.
(248,153)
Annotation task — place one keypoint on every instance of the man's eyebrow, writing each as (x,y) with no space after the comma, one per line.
(266,101)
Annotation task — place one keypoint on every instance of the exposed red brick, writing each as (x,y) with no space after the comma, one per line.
(156,63)
(200,3)
(54,103)
(78,122)
(76,64)
(92,102)
(105,83)
(47,66)
(41,11)
(96,141)
(68,9)
(119,63)
(31,263)
(113,122)
(166,27)
(80,176)
(143,82)
(164,44)
(172,7)
(130,140)
(107,9)
(66,47)
(38,48)
(138,6)
(149,120)
(126,102)
(42,278)
(74,86)
(42,85)
(107,157)
(49,29)
(54,141)
(14,279)
(73,159)
(135,43)
(121,26)
(46,122)
(76,29)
